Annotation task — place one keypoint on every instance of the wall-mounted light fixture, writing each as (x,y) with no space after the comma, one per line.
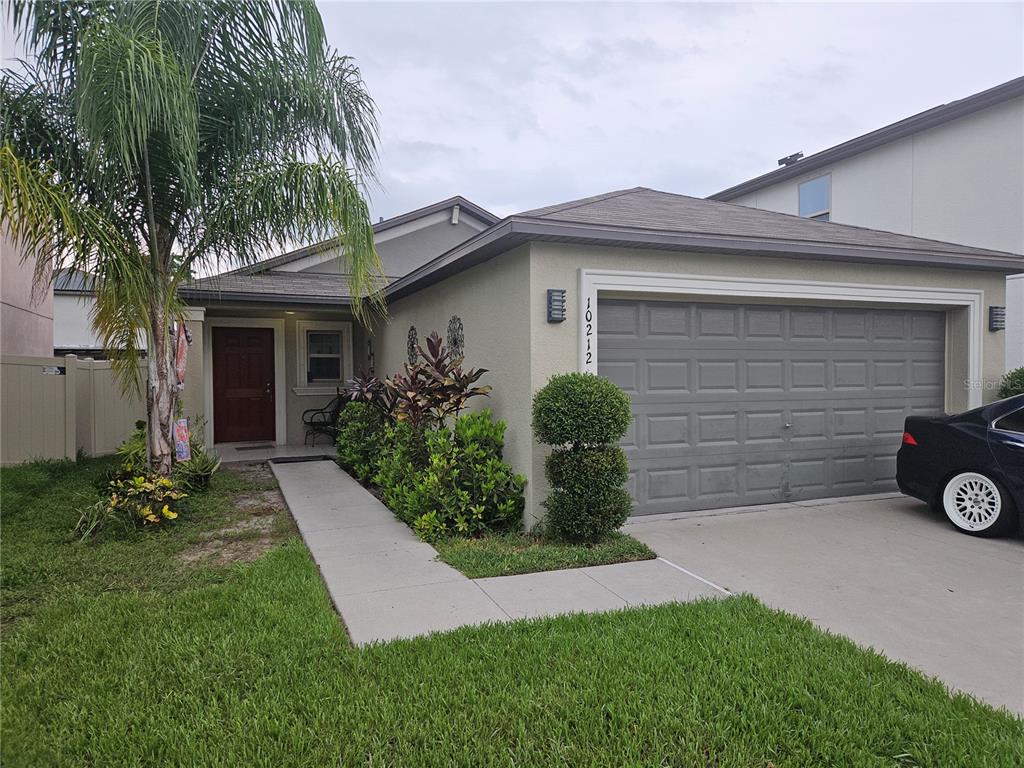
(556,305)
(997,318)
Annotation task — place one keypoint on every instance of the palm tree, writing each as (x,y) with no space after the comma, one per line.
(147,139)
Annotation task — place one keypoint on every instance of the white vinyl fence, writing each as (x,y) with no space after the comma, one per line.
(50,407)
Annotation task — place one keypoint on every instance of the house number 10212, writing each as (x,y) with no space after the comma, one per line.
(589,332)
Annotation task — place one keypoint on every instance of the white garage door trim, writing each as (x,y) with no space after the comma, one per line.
(593,281)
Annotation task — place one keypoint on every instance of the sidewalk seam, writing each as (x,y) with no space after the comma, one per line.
(491,598)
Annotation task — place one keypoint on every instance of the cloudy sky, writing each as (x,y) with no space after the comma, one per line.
(521,105)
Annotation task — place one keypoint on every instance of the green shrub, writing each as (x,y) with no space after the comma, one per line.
(403,456)
(599,468)
(586,515)
(132,452)
(466,488)
(145,500)
(360,439)
(582,415)
(194,475)
(479,430)
(1012,383)
(580,409)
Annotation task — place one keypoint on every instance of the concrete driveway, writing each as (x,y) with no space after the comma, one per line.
(884,571)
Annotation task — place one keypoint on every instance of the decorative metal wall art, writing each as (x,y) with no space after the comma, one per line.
(456,337)
(410,347)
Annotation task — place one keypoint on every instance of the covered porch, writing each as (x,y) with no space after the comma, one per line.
(272,349)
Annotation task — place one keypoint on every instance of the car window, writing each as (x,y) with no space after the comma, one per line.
(1012,422)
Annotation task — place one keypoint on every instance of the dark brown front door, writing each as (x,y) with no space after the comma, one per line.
(243,384)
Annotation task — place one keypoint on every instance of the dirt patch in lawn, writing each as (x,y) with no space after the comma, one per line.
(257,473)
(257,523)
(259,502)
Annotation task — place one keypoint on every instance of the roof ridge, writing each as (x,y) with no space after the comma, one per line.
(943,245)
(559,207)
(791,216)
(271,262)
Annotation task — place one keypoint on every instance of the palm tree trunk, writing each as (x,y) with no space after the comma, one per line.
(160,392)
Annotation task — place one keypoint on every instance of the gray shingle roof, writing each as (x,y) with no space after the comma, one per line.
(645,208)
(275,287)
(646,218)
(466,206)
(638,217)
(73,281)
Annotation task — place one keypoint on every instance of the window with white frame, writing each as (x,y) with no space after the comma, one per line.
(816,198)
(325,354)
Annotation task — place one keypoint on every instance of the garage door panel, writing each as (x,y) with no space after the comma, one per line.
(668,376)
(670,430)
(623,374)
(754,404)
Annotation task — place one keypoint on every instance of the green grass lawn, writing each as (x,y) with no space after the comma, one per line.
(511,553)
(134,651)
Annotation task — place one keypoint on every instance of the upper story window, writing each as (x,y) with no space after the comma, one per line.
(816,198)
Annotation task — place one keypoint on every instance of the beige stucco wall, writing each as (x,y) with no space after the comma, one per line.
(26,312)
(494,302)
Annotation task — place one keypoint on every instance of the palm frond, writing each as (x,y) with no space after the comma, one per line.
(272,206)
(130,90)
(125,291)
(47,221)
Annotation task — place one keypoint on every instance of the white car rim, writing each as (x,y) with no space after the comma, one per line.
(972,501)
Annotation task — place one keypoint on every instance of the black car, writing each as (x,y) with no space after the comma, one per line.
(971,466)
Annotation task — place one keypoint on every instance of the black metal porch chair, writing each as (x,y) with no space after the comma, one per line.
(323,421)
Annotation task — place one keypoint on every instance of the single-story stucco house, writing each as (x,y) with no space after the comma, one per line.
(769,357)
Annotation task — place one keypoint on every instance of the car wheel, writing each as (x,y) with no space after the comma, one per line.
(975,504)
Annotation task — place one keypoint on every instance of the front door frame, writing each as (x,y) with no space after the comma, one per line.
(280,387)
(708,288)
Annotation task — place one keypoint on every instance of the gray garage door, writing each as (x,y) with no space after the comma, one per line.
(750,404)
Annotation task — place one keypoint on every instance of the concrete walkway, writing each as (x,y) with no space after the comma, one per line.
(387,584)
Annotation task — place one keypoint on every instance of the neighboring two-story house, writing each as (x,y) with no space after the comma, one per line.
(26,311)
(952,173)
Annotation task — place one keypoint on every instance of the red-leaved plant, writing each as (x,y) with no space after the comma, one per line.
(371,390)
(435,387)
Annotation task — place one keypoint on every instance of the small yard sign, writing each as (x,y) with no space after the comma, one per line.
(182,448)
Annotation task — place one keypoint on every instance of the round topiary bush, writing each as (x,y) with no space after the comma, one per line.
(599,468)
(589,516)
(1012,383)
(580,409)
(583,415)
